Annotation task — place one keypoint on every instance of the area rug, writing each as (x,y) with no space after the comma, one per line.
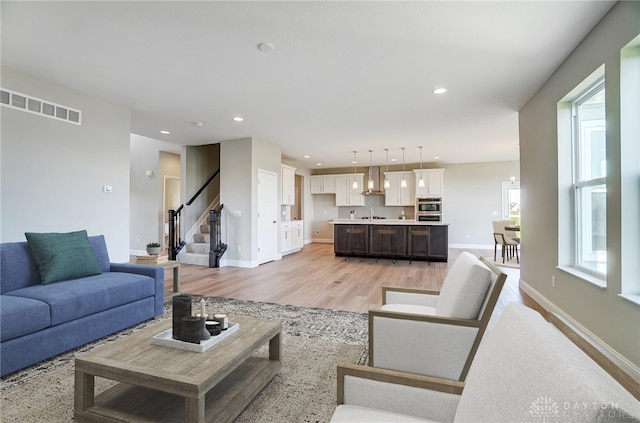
(313,342)
(513,264)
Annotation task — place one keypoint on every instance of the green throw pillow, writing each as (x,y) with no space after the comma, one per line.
(62,256)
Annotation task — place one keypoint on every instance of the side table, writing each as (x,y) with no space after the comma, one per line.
(171,264)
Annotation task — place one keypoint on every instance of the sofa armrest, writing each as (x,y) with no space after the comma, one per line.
(397,295)
(422,344)
(155,272)
(419,396)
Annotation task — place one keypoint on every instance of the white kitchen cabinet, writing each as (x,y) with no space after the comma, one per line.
(346,195)
(285,237)
(291,236)
(395,195)
(297,235)
(433,182)
(323,184)
(288,185)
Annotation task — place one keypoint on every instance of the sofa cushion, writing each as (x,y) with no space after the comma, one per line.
(464,288)
(73,299)
(17,269)
(528,370)
(62,256)
(22,316)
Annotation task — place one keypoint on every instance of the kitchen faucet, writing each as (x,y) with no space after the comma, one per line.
(371,217)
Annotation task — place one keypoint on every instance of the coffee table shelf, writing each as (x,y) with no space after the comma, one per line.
(162,384)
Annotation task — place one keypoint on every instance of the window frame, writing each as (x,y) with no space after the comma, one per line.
(580,185)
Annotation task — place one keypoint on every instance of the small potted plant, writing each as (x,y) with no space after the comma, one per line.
(153,248)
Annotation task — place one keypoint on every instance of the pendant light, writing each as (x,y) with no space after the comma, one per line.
(387,184)
(403,182)
(355,181)
(421,181)
(370,182)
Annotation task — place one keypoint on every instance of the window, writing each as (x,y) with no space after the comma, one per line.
(589,187)
(630,169)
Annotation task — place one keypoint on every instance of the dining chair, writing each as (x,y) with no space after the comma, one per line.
(508,243)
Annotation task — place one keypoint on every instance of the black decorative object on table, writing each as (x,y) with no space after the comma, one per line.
(213,327)
(204,333)
(181,309)
(191,329)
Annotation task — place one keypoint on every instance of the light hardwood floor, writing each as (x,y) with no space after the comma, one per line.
(314,277)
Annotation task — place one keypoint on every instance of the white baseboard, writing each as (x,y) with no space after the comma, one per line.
(323,240)
(238,263)
(628,367)
(472,246)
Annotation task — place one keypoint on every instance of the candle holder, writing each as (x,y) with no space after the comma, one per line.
(181,308)
(191,329)
(213,327)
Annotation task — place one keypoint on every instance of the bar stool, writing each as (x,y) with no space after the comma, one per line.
(390,236)
(359,233)
(415,234)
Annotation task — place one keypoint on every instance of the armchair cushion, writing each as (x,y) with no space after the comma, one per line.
(357,414)
(410,308)
(464,288)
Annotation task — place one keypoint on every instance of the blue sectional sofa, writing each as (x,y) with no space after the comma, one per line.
(39,321)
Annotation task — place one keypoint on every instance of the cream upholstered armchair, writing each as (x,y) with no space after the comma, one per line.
(436,333)
(526,371)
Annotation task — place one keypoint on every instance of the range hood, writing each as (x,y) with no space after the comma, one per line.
(374,175)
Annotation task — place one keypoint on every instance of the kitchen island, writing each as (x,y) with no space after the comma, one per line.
(391,238)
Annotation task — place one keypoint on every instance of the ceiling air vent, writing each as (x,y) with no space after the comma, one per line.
(27,103)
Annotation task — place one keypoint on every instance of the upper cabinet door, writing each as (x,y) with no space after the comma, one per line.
(323,184)
(396,195)
(288,185)
(346,195)
(433,182)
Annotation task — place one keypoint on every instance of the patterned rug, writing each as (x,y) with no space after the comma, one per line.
(314,341)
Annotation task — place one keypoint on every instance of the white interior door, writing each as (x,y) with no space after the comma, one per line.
(267,216)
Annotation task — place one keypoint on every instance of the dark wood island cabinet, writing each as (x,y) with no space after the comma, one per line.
(398,239)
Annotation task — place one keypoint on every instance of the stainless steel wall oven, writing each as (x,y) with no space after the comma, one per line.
(429,209)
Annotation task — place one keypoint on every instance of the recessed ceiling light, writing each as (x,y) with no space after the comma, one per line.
(394,160)
(440,90)
(306,156)
(318,164)
(436,157)
(265,47)
(200,124)
(165,132)
(238,118)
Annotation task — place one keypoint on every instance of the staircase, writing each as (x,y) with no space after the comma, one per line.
(197,252)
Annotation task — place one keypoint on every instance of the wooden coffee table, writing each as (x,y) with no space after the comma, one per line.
(164,384)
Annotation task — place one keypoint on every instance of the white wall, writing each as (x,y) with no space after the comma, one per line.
(52,172)
(601,312)
(472,196)
(146,214)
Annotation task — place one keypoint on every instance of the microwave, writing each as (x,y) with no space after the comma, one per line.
(427,206)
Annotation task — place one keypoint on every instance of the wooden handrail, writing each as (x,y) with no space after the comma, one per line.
(175,243)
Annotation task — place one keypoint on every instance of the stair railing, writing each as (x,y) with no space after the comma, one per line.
(176,243)
(216,246)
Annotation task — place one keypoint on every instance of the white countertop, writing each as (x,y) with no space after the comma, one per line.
(385,222)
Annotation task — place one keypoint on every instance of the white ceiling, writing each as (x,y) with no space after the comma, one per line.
(342,76)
